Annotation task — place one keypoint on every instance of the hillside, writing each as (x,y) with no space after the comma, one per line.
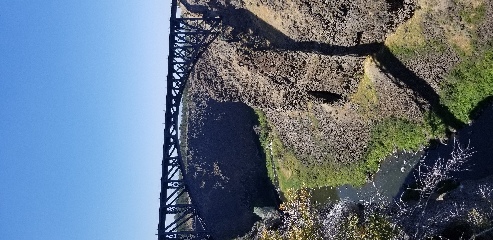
(345,84)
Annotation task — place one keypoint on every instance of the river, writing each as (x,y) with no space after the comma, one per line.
(397,169)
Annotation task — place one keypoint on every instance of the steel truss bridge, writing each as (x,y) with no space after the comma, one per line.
(179,218)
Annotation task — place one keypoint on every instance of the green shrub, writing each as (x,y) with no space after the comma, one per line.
(391,135)
(300,222)
(467,85)
(375,227)
(265,139)
(473,15)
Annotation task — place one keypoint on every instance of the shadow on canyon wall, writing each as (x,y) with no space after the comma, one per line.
(243,21)
(234,176)
(226,168)
(386,60)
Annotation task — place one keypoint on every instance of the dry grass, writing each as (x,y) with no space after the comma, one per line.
(473,3)
(366,95)
(459,39)
(408,37)
(269,16)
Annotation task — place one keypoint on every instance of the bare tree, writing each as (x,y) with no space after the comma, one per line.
(428,179)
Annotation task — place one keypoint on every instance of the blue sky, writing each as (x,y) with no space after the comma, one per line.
(82,89)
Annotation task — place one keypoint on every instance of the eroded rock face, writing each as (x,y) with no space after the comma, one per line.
(307,64)
(300,62)
(344,23)
(273,53)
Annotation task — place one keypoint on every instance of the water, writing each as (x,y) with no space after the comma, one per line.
(324,195)
(385,185)
(479,136)
(398,169)
(386,182)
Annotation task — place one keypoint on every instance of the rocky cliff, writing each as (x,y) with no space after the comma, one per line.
(301,62)
(329,75)
(320,69)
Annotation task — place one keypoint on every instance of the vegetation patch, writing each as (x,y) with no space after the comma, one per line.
(468,84)
(434,126)
(394,134)
(366,94)
(473,13)
(462,38)
(264,131)
(391,135)
(286,170)
(408,38)
(294,173)
(374,227)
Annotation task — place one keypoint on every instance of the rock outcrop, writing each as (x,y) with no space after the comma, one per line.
(301,62)
(323,74)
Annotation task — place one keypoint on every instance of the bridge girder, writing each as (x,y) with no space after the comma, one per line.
(179,219)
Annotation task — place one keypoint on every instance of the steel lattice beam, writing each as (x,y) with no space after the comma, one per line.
(187,40)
